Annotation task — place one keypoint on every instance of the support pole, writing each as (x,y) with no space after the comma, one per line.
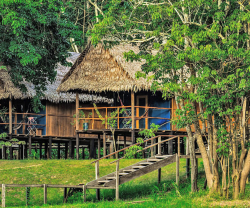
(50,148)
(10,115)
(41,149)
(3,195)
(84,192)
(170,147)
(77,146)
(159,146)
(77,111)
(125,143)
(11,152)
(27,196)
(117,181)
(58,151)
(30,143)
(99,146)
(177,169)
(70,149)
(83,154)
(46,150)
(91,148)
(133,116)
(66,150)
(65,195)
(96,177)
(188,159)
(104,145)
(111,149)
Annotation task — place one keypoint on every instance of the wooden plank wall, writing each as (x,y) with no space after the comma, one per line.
(60,116)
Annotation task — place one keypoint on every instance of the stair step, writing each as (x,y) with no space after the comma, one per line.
(146,163)
(104,181)
(138,167)
(123,173)
(111,178)
(161,156)
(130,170)
(154,160)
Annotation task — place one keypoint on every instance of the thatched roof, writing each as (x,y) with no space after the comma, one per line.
(98,70)
(8,89)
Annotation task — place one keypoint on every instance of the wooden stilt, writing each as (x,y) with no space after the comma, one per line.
(58,151)
(46,150)
(159,146)
(99,146)
(91,148)
(70,150)
(30,143)
(77,146)
(65,195)
(66,150)
(133,116)
(170,147)
(125,144)
(111,149)
(104,145)
(116,147)
(11,152)
(10,115)
(50,148)
(41,150)
(83,154)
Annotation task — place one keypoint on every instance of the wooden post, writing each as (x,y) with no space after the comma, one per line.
(3,195)
(84,192)
(15,122)
(4,153)
(83,154)
(117,181)
(104,145)
(1,154)
(99,146)
(10,115)
(93,120)
(45,193)
(58,151)
(116,147)
(11,152)
(188,159)
(66,150)
(77,146)
(152,148)
(50,148)
(118,117)
(65,195)
(159,146)
(170,147)
(111,149)
(177,169)
(91,148)
(159,176)
(27,196)
(41,149)
(30,143)
(70,149)
(96,177)
(25,151)
(106,119)
(77,111)
(179,146)
(133,116)
(125,143)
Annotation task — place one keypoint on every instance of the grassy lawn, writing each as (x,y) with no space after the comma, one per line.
(141,192)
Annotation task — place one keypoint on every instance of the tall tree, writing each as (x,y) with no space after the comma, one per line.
(35,37)
(199,53)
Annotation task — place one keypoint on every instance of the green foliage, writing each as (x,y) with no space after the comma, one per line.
(34,39)
(148,133)
(81,115)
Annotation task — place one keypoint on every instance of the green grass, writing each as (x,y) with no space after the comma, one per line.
(72,172)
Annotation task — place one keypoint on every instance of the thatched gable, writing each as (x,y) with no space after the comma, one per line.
(8,89)
(98,70)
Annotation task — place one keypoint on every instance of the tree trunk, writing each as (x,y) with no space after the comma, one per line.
(244,174)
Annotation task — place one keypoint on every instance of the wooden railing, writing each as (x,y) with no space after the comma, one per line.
(152,152)
(106,111)
(23,124)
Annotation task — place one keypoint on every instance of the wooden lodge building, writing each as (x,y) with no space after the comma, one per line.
(52,127)
(106,72)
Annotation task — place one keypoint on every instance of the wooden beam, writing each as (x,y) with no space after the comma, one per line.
(41,149)
(46,150)
(70,150)
(50,148)
(91,148)
(10,115)
(66,150)
(83,154)
(117,181)
(96,177)
(58,151)
(77,111)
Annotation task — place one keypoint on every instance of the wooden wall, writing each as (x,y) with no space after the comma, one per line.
(59,117)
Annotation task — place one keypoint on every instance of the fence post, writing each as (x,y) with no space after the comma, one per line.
(96,177)
(45,193)
(27,195)
(159,146)
(177,169)
(3,195)
(84,193)
(179,146)
(117,181)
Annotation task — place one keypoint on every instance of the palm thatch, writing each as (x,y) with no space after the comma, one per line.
(8,89)
(98,70)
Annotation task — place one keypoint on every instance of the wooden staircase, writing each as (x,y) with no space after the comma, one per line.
(131,172)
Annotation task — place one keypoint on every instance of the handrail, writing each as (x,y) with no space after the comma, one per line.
(173,136)
(122,150)
(110,107)
(147,148)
